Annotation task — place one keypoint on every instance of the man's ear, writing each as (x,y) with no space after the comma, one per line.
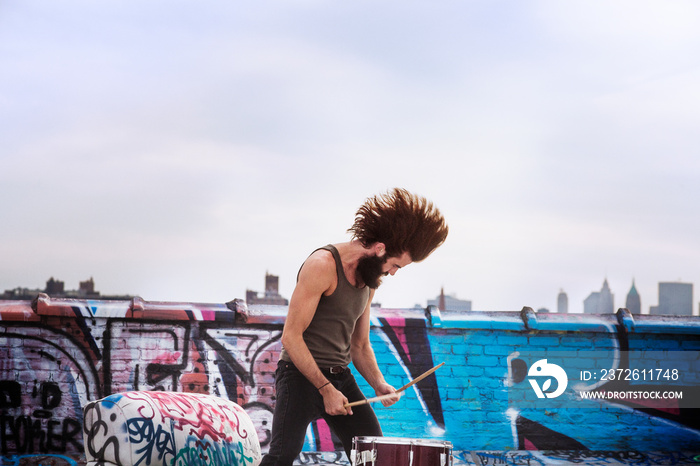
(379,249)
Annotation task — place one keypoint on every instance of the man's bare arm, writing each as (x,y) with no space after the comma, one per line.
(364,359)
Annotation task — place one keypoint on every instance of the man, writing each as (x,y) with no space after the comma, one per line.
(328,322)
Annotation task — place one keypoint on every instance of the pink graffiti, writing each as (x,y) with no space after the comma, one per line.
(324,436)
(199,414)
(399,326)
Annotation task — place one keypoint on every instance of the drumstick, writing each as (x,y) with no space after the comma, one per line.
(420,377)
(381,397)
(368,400)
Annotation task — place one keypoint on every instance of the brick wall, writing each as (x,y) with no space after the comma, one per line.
(57,354)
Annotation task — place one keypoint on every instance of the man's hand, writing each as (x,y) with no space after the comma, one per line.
(334,401)
(386,389)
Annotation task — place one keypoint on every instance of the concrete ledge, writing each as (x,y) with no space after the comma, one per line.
(536,457)
(238,313)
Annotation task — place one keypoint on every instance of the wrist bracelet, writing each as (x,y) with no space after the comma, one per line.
(319,388)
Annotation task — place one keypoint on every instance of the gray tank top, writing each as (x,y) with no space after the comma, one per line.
(328,335)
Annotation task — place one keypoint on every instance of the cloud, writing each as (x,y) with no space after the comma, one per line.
(181,152)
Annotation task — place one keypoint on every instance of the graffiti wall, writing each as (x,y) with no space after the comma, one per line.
(56,355)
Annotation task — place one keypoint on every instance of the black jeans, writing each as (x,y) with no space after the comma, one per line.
(298,403)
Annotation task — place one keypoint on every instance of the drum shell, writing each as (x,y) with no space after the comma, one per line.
(388,451)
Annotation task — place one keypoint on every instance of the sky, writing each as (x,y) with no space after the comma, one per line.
(181,150)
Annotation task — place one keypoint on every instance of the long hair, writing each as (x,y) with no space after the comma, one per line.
(403,221)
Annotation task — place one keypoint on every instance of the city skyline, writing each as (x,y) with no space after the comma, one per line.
(178,151)
(271,295)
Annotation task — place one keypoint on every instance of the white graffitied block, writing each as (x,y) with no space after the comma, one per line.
(168,429)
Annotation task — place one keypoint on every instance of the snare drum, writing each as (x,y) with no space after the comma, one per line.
(392,451)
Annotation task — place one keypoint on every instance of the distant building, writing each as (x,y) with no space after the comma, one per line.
(590,304)
(21,294)
(674,299)
(634,302)
(449,303)
(56,289)
(600,302)
(87,288)
(271,295)
(562,303)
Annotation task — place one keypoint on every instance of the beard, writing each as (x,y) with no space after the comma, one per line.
(369,270)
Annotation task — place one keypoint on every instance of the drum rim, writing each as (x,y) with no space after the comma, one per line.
(403,441)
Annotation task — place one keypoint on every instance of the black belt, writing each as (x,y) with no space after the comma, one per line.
(335,370)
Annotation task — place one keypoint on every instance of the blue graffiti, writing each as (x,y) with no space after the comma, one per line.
(17,460)
(143,430)
(199,453)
